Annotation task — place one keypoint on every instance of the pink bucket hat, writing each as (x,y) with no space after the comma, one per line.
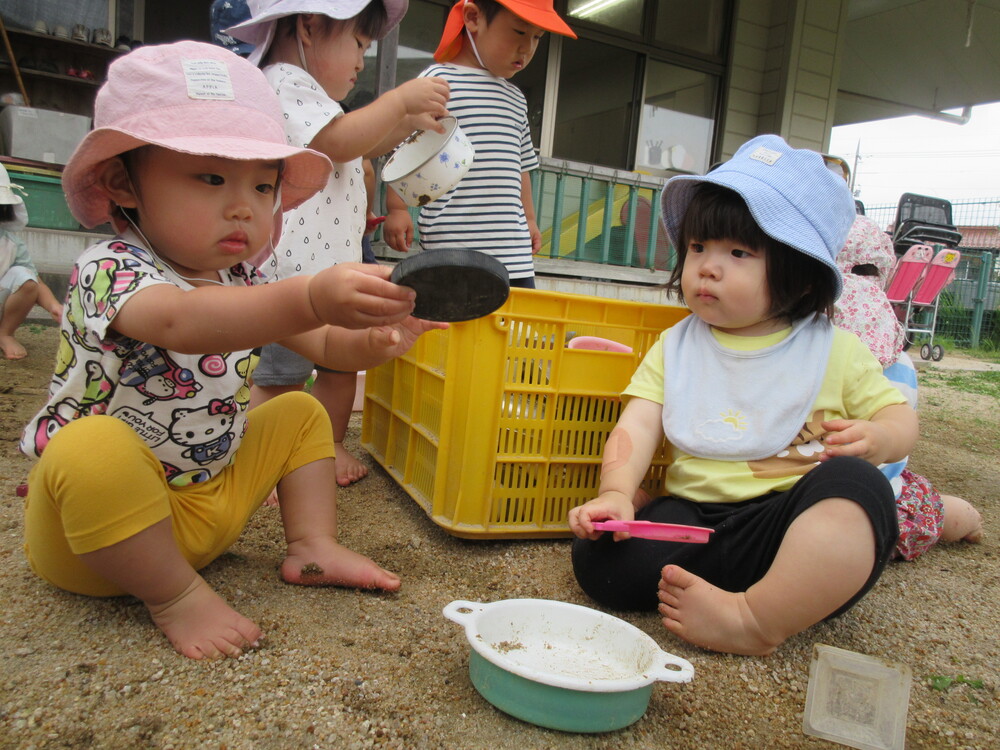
(863,308)
(868,245)
(191,97)
(264,16)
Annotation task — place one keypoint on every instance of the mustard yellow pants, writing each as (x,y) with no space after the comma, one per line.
(98,483)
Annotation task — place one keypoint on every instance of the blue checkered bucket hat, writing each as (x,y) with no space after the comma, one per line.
(791,194)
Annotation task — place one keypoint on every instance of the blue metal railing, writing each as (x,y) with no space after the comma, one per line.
(600,215)
(597,215)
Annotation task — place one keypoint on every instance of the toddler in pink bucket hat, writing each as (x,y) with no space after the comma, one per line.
(162,329)
(190,97)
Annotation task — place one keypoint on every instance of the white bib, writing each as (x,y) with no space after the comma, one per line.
(736,405)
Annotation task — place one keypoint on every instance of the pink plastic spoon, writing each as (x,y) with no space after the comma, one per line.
(663,532)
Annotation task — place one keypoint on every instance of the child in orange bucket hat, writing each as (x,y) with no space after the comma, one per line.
(537,12)
(484,44)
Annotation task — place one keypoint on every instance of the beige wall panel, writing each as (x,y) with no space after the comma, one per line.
(825,14)
(744,101)
(746,79)
(816,61)
(807,132)
(810,105)
(814,84)
(751,57)
(814,37)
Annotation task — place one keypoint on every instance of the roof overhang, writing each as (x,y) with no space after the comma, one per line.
(904,57)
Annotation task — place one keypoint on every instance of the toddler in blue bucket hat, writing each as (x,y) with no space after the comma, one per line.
(775,420)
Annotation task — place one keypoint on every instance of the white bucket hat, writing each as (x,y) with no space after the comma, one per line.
(10,198)
(7,195)
(264,16)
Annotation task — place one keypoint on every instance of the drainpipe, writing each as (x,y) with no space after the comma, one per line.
(961,119)
(909,109)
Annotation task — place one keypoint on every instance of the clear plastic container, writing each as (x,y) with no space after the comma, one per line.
(856,700)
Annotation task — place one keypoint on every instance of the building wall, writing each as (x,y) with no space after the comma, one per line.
(745,98)
(815,71)
(783,73)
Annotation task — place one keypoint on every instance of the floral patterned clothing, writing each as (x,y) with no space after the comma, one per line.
(921,516)
(863,307)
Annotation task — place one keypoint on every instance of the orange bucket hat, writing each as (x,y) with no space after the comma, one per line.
(537,12)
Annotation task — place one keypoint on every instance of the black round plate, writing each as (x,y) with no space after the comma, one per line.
(454,284)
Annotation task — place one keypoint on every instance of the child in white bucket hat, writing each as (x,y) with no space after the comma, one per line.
(311,52)
(160,336)
(776,421)
(20,287)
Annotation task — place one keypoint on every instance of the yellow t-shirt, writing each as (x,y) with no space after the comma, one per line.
(853,388)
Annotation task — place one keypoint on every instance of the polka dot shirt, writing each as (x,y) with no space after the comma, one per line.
(327,228)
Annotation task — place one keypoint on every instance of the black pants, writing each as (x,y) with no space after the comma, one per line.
(625,575)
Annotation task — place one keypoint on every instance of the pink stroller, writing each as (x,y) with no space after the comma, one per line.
(922,271)
(915,291)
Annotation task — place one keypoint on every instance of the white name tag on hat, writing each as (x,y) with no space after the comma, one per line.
(766,155)
(207,79)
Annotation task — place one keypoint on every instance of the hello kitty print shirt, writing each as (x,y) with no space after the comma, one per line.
(190,409)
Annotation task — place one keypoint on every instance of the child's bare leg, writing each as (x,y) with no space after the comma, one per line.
(825,558)
(15,311)
(196,620)
(309,514)
(962,522)
(336,390)
(48,302)
(11,347)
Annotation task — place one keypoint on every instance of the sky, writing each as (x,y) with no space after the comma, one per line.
(925,156)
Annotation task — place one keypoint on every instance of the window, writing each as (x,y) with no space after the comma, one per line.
(596,110)
(675,133)
(91,13)
(615,105)
(693,26)
(419,34)
(622,15)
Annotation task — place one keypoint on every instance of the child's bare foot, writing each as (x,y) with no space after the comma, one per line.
(962,522)
(349,469)
(12,349)
(200,625)
(321,561)
(707,616)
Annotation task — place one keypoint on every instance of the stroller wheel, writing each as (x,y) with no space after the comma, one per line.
(925,351)
(937,353)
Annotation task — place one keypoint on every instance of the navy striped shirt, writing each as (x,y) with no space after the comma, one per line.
(484,211)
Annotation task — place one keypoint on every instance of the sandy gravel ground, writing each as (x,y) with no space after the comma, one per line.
(346,669)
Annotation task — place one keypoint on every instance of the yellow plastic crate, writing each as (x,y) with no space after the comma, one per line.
(496,428)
